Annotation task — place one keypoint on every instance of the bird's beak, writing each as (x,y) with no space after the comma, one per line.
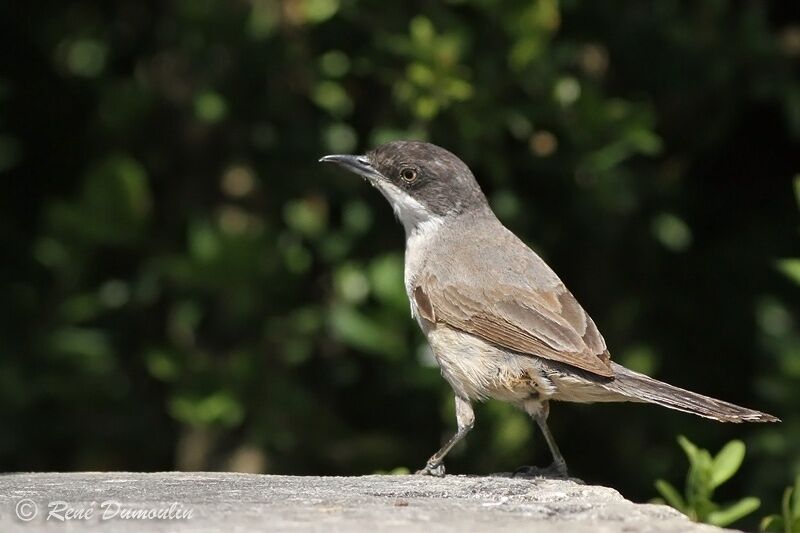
(357,164)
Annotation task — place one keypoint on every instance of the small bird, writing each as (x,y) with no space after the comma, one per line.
(499,321)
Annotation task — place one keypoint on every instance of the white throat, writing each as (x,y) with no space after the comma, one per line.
(416,218)
(421,226)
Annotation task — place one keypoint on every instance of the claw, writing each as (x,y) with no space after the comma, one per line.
(554,470)
(435,470)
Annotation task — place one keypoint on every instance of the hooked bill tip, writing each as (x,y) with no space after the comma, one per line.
(341,159)
(357,164)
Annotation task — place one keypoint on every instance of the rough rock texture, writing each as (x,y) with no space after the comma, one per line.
(245,502)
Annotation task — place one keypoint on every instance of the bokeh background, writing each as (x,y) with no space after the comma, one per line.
(185,287)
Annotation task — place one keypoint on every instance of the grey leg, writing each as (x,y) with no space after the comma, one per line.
(465,417)
(559,464)
(538,410)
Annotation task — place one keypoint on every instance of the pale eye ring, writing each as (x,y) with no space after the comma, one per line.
(409,175)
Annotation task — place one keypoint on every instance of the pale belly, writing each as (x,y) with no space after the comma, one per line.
(478,370)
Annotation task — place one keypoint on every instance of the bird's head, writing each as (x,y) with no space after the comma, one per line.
(423,182)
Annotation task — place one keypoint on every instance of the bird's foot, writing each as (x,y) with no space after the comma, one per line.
(554,470)
(431,469)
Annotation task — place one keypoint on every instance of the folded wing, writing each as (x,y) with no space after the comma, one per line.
(527,310)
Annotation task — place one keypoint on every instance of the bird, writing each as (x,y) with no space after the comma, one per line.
(500,323)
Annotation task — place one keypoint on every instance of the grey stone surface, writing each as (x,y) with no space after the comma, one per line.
(245,502)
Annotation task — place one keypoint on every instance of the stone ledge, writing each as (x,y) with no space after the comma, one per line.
(247,502)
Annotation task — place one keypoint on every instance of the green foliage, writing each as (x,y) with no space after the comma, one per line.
(706,474)
(183,284)
(789,519)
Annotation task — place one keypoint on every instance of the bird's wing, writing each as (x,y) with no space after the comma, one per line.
(514,309)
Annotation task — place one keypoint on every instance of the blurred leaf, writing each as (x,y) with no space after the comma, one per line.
(772,523)
(332,97)
(734,512)
(85,57)
(640,358)
(398,471)
(320,10)
(334,63)
(308,217)
(114,207)
(790,267)
(162,364)
(513,431)
(360,331)
(357,217)
(793,503)
(671,495)
(87,348)
(340,138)
(210,106)
(204,242)
(386,278)
(672,232)
(727,462)
(689,448)
(203,410)
(263,19)
(351,283)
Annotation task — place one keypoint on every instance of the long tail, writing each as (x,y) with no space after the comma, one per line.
(639,387)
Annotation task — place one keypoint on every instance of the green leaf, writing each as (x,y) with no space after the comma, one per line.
(786,504)
(772,522)
(704,463)
(727,462)
(671,495)
(734,512)
(689,448)
(796,498)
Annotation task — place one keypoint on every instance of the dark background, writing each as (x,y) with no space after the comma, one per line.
(185,287)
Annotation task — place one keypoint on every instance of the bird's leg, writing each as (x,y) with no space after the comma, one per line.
(559,466)
(465,417)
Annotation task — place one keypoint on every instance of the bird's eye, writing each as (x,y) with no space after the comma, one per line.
(408,174)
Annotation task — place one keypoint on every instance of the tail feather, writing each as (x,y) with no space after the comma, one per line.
(639,387)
